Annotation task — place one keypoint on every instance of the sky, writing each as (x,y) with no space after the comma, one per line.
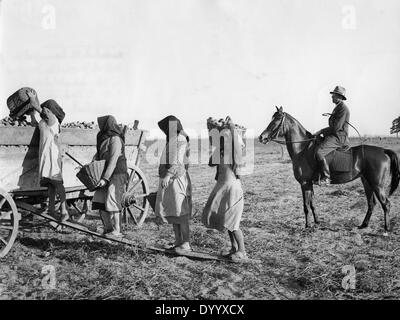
(146,59)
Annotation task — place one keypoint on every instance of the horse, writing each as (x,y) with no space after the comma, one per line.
(370,163)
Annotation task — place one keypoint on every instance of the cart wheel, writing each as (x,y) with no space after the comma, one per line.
(81,206)
(134,201)
(9,219)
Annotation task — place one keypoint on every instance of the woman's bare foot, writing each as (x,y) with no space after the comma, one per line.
(171,246)
(239,256)
(113,234)
(183,248)
(228,252)
(105,231)
(64,217)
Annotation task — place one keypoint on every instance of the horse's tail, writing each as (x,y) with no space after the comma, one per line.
(394,170)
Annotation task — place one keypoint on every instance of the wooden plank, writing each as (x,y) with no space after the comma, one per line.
(40,192)
(198,255)
(71,192)
(80,227)
(29,136)
(19,136)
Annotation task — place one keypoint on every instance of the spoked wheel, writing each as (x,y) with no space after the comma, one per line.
(134,201)
(81,207)
(9,220)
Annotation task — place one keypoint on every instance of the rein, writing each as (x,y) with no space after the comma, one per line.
(297,141)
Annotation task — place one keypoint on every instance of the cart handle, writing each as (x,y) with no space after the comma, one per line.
(74,159)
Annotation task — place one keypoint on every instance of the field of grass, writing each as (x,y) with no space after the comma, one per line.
(294,263)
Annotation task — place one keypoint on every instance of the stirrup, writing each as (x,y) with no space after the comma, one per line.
(322,181)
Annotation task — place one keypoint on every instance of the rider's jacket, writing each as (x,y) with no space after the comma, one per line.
(338,122)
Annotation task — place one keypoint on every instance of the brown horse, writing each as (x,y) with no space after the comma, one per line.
(370,163)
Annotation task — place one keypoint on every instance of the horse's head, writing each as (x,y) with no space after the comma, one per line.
(274,128)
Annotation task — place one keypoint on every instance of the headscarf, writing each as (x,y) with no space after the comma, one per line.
(168,121)
(55,108)
(165,124)
(108,128)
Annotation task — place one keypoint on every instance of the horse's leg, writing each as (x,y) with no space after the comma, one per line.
(385,203)
(316,220)
(306,201)
(376,181)
(371,201)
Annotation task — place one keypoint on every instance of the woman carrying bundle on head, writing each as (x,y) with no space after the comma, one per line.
(107,198)
(174,195)
(224,207)
(50,160)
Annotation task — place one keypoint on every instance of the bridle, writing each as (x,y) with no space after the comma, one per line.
(278,131)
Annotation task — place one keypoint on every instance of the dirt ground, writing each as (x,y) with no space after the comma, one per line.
(294,263)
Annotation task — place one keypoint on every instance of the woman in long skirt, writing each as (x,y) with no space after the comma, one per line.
(174,195)
(107,198)
(50,158)
(224,207)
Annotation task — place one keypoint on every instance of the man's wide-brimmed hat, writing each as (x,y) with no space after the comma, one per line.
(340,91)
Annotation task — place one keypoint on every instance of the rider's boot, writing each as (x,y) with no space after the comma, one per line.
(325,173)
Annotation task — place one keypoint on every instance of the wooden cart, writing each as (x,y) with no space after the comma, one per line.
(19,191)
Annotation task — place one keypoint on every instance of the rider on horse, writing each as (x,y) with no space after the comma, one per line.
(336,135)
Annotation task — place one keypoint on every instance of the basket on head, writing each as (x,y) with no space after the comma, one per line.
(19,103)
(222,124)
(90,174)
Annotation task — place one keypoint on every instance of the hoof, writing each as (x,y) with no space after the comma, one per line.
(386,234)
(363,226)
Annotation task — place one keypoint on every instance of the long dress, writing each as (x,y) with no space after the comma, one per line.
(224,206)
(50,162)
(174,203)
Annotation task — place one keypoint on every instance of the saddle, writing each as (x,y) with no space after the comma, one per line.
(341,159)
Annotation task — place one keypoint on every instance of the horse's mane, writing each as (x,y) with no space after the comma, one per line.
(309,135)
